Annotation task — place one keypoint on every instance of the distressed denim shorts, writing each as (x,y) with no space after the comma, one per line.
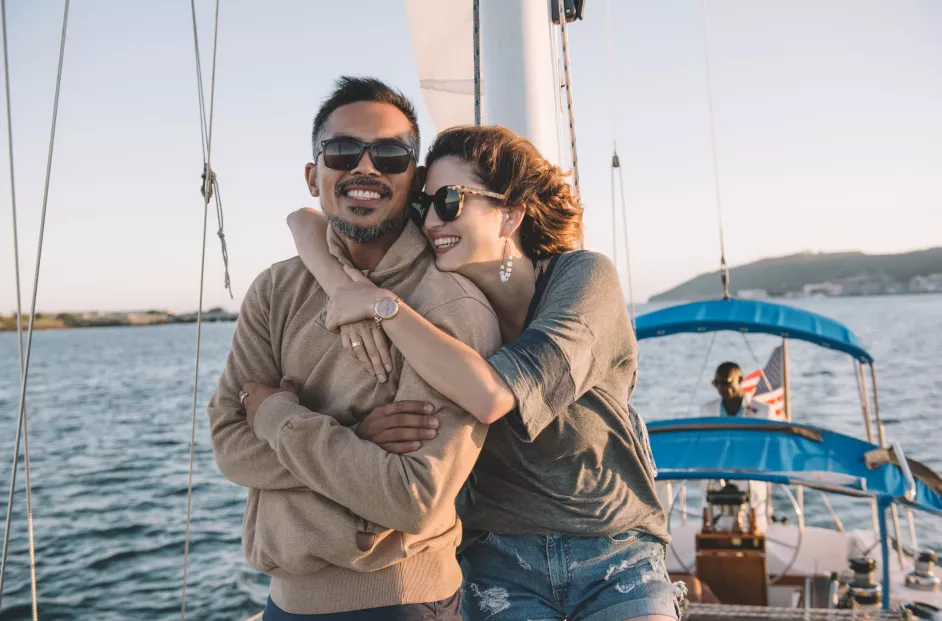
(543,577)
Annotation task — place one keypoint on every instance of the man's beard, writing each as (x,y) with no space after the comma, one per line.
(369,234)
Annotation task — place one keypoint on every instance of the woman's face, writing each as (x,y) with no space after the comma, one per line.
(473,240)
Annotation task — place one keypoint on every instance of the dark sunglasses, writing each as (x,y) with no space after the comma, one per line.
(389,158)
(449,201)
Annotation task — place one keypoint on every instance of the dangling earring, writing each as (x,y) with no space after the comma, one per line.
(507,265)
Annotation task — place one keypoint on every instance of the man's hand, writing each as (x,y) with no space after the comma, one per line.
(399,427)
(253,394)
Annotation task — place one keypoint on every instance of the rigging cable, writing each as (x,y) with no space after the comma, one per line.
(25,356)
(768,384)
(610,53)
(557,90)
(207,127)
(476,31)
(617,164)
(215,193)
(19,305)
(624,214)
(567,77)
(716,167)
(624,220)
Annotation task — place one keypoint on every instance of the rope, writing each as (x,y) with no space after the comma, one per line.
(693,393)
(207,128)
(567,76)
(759,366)
(716,167)
(215,193)
(476,17)
(25,357)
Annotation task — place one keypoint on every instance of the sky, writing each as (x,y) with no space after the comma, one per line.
(828,119)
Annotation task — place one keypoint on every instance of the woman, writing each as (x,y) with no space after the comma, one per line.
(561,505)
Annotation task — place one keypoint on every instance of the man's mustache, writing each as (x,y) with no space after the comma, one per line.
(378,186)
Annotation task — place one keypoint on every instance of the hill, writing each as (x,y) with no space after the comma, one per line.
(840,273)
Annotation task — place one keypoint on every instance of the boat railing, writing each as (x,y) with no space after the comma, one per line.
(696,611)
(910,494)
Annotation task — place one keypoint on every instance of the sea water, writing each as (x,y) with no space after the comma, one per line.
(109,434)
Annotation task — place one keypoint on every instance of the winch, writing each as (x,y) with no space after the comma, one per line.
(864,590)
(922,577)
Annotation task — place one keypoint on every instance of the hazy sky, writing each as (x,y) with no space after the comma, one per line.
(828,113)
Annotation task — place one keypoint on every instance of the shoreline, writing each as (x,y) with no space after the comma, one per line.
(71,321)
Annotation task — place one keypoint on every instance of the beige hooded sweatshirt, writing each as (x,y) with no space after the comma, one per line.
(313,484)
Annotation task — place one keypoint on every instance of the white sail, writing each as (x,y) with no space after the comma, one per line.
(444,58)
(518,85)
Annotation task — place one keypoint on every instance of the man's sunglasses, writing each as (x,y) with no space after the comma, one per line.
(389,158)
(449,201)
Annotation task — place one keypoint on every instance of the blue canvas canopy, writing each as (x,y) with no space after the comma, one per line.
(751,316)
(764,450)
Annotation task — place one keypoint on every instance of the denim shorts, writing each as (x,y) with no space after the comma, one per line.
(544,577)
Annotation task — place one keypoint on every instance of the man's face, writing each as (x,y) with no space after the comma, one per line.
(729,386)
(363,204)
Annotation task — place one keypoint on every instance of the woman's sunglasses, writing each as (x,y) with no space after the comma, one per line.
(449,201)
(389,158)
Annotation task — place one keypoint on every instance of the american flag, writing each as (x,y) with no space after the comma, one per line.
(770,393)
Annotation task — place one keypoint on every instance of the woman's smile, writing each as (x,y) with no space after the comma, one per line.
(442,243)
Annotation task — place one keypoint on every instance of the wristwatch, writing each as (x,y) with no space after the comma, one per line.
(386,308)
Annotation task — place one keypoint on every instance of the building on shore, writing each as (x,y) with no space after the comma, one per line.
(926,284)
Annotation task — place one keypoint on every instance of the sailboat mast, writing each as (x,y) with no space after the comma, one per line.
(519,85)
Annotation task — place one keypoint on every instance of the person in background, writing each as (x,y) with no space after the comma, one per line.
(728,383)
(733,400)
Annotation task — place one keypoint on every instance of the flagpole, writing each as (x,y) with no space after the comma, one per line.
(788,405)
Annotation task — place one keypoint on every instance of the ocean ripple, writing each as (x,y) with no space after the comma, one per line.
(109,423)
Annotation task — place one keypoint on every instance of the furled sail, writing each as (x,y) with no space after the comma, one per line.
(442,43)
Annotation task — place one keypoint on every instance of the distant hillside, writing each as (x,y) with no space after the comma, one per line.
(858,273)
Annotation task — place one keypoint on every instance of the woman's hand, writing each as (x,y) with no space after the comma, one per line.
(253,394)
(354,301)
(366,341)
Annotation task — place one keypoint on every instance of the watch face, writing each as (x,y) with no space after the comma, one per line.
(386,308)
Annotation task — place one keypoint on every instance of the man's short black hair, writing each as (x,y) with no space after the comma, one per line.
(726,368)
(349,89)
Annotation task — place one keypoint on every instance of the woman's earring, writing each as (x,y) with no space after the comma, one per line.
(507,265)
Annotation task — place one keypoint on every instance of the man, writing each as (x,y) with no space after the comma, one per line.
(728,383)
(342,525)
(733,400)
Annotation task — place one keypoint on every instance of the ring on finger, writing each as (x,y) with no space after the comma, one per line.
(355,344)
(242,396)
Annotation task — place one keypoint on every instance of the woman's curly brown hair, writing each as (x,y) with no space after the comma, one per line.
(509,164)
